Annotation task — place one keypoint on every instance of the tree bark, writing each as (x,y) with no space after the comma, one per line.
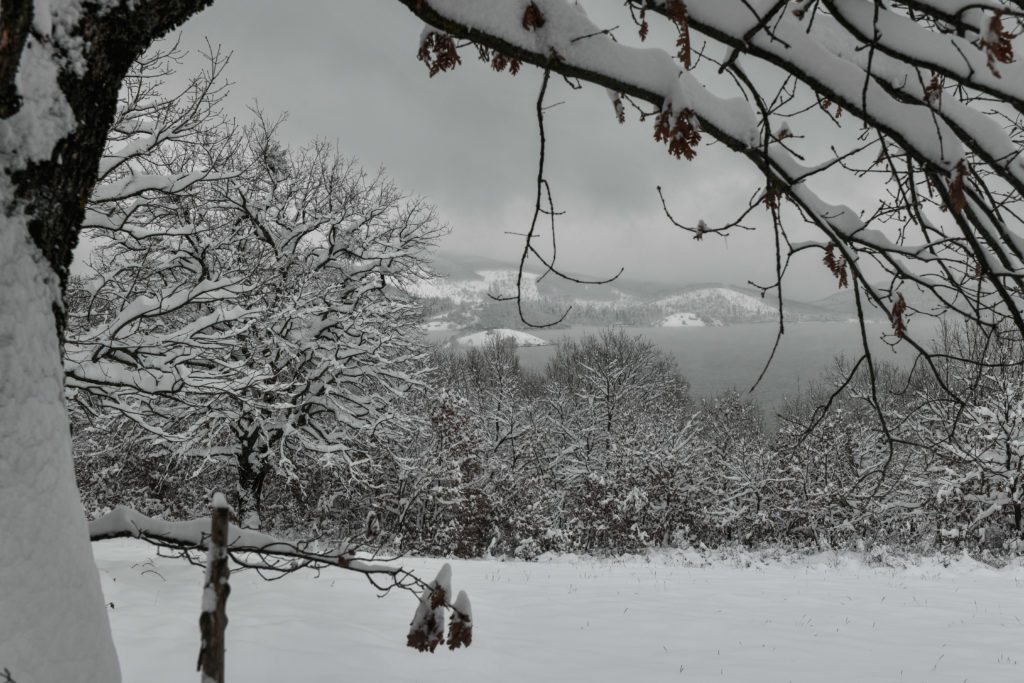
(54,624)
(15,20)
(249,504)
(53,123)
(53,191)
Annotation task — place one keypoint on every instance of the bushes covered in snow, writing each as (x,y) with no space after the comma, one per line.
(540,463)
(605,452)
(243,324)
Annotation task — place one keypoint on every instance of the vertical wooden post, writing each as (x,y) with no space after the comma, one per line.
(214,619)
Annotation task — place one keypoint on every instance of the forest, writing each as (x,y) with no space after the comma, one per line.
(243,325)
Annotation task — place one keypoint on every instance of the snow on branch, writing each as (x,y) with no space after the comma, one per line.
(932,153)
(426,631)
(269,553)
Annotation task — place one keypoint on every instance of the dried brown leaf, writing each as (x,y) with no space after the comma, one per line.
(957,199)
(997,43)
(438,52)
(837,265)
(679,133)
(533,18)
(899,324)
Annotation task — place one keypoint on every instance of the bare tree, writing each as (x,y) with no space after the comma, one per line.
(974,487)
(157,304)
(244,303)
(614,396)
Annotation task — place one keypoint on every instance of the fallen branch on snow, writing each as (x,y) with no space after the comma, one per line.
(251,549)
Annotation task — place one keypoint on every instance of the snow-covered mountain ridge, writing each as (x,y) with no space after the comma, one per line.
(718,303)
(463,295)
(487,284)
(479,339)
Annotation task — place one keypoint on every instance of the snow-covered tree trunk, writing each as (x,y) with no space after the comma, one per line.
(251,475)
(54,624)
(61,63)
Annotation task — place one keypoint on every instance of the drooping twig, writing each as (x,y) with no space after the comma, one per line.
(543,190)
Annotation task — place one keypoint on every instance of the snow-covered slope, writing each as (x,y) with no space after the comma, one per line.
(488,283)
(478,339)
(685,319)
(464,300)
(670,617)
(720,303)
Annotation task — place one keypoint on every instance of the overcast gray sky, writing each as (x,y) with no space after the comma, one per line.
(346,70)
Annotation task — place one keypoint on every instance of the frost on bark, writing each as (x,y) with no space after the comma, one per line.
(60,70)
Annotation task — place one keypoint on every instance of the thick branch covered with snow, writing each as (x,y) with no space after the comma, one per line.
(272,556)
(925,98)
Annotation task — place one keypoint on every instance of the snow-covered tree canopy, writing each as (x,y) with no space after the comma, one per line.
(914,105)
(243,303)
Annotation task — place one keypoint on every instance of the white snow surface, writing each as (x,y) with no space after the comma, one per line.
(665,617)
(682,320)
(490,282)
(478,339)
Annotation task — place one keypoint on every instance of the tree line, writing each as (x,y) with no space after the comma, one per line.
(242,322)
(606,452)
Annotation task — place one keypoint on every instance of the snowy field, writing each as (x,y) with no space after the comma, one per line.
(479,339)
(818,620)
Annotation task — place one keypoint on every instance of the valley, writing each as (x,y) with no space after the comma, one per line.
(476,294)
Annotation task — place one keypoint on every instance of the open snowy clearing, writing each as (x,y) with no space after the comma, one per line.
(809,620)
(478,339)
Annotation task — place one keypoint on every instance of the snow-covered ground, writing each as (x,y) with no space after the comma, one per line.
(682,320)
(817,620)
(520,338)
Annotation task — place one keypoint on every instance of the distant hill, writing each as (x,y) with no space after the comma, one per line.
(479,339)
(467,293)
(843,302)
